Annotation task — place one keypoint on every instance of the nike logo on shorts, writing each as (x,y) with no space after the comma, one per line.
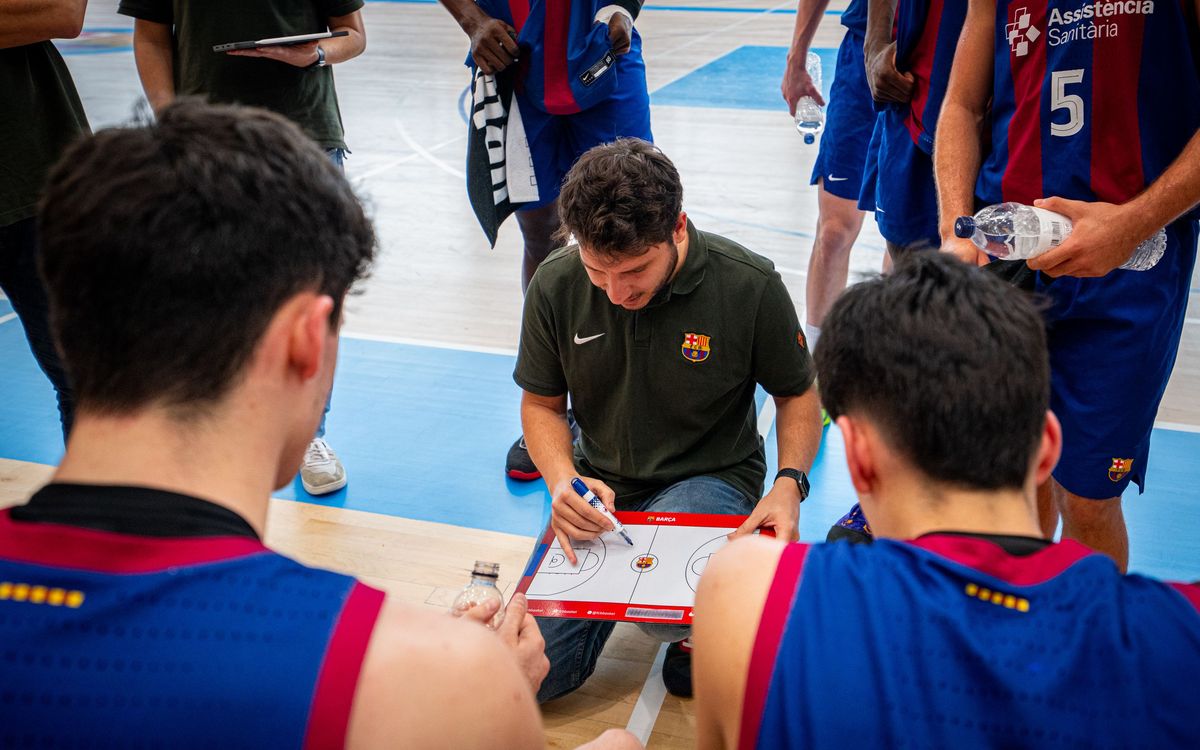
(831,178)
(585,340)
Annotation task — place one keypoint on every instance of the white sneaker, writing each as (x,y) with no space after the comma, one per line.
(321,472)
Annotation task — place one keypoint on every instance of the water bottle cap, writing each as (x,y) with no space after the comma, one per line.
(964,226)
(486,569)
(808,138)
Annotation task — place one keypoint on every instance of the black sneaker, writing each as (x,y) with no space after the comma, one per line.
(518,465)
(677,669)
(852,527)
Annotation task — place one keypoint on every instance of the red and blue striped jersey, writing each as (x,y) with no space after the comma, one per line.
(926,33)
(123,640)
(1091,101)
(952,641)
(566,65)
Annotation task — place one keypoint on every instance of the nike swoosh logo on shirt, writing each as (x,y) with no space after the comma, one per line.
(585,340)
(831,178)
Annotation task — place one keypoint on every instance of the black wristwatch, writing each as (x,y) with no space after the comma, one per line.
(801,480)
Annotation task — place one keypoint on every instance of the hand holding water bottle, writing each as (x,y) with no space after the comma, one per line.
(797,83)
(1063,237)
(1104,236)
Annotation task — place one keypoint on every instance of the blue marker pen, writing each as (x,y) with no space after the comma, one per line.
(582,490)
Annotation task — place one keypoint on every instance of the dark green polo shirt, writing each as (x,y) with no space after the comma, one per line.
(666,393)
(40,114)
(305,96)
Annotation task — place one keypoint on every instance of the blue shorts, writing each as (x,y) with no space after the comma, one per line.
(556,141)
(899,185)
(849,119)
(1113,342)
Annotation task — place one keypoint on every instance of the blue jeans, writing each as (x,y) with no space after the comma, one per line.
(338,157)
(25,291)
(573,646)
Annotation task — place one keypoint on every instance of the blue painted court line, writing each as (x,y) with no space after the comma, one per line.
(423,432)
(746,78)
(5,308)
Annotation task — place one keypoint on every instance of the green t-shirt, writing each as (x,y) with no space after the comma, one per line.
(40,114)
(305,96)
(666,393)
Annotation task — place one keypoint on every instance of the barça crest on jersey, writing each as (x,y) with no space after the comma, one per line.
(1120,467)
(696,347)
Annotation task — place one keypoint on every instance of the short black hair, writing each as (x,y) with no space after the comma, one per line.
(948,361)
(168,247)
(620,198)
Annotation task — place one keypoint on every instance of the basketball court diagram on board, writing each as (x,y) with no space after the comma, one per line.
(655,580)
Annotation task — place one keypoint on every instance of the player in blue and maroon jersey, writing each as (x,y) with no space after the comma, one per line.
(580,82)
(961,625)
(842,156)
(1094,108)
(138,605)
(909,48)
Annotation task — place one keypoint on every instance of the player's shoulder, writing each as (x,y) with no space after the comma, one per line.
(736,262)
(454,668)
(561,268)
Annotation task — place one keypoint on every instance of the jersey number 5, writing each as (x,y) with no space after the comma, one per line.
(1060,99)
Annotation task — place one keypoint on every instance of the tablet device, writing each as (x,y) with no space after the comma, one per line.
(279,41)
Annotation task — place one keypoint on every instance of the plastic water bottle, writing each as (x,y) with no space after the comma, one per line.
(481,589)
(810,117)
(1014,231)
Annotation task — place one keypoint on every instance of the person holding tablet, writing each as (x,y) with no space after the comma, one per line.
(173,44)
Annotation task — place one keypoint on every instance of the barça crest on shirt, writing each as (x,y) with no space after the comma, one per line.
(1120,467)
(696,347)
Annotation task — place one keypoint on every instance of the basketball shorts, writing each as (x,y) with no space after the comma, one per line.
(849,119)
(557,141)
(1113,343)
(899,185)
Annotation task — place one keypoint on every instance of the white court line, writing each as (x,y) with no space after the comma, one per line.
(766,417)
(432,344)
(1177,426)
(649,703)
(5,318)
(425,154)
(388,165)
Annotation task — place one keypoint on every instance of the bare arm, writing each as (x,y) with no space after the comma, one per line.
(544,421)
(548,437)
(32,21)
(429,680)
(798,431)
(153,52)
(957,149)
(341,49)
(729,604)
(796,82)
(493,42)
(887,83)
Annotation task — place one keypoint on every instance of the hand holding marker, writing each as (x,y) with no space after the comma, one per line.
(582,490)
